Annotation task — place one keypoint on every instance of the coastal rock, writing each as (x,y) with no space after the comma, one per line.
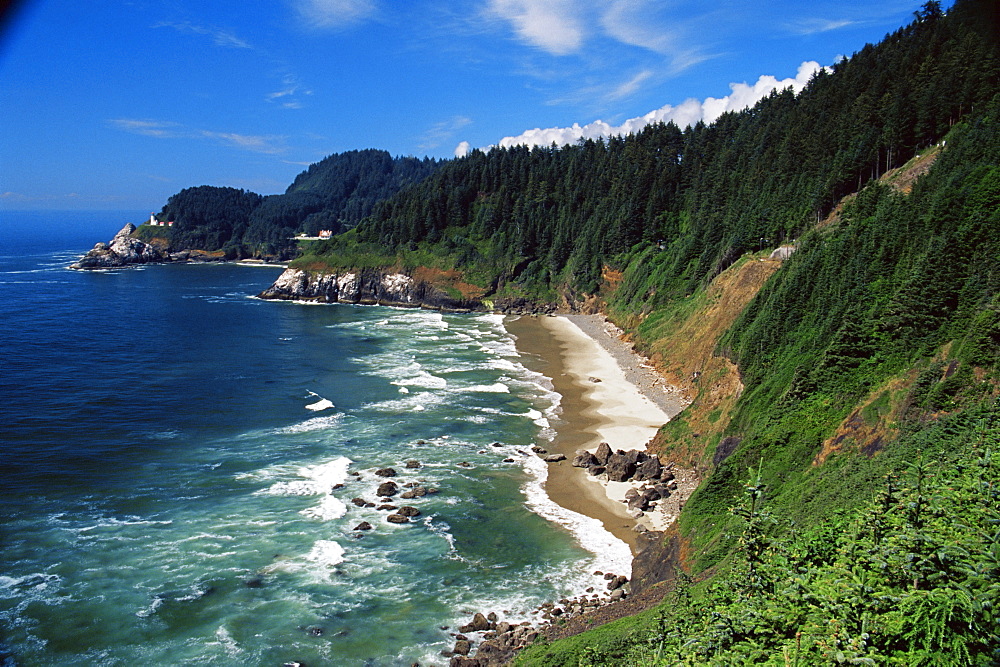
(364,525)
(584,459)
(412,464)
(123,250)
(387,489)
(603,453)
(366,286)
(620,468)
(397,518)
(406,510)
(386,472)
(479,624)
(555,458)
(649,469)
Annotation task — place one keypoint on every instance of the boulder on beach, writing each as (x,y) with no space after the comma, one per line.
(555,458)
(603,453)
(649,469)
(620,467)
(584,459)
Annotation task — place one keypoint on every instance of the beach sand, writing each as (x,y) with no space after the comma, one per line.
(608,395)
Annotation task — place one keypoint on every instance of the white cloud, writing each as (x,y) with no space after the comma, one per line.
(268,144)
(813,26)
(149,128)
(289,97)
(689,112)
(463,149)
(443,131)
(630,86)
(555,26)
(220,36)
(255,143)
(334,13)
(628,21)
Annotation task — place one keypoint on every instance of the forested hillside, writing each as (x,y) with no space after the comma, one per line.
(872,355)
(335,194)
(536,220)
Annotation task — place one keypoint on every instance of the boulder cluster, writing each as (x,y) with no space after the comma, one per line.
(388,490)
(631,466)
(500,640)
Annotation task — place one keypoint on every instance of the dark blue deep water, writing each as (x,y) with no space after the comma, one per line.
(173,451)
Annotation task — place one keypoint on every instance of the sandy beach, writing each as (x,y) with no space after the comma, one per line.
(608,395)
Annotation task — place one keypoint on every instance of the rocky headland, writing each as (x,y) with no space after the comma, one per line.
(126,249)
(122,250)
(384,287)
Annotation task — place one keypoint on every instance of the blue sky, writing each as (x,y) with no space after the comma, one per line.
(118,104)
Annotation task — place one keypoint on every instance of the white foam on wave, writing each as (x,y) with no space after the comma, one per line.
(328,509)
(321,404)
(610,553)
(316,480)
(495,388)
(313,424)
(410,402)
(422,379)
(37,581)
(226,641)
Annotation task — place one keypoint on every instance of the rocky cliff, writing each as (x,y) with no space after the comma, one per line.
(122,250)
(366,286)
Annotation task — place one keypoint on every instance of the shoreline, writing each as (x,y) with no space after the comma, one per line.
(609,394)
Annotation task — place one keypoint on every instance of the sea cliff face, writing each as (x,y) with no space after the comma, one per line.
(366,286)
(122,250)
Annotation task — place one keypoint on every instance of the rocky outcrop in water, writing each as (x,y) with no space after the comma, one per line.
(367,286)
(122,250)
(386,287)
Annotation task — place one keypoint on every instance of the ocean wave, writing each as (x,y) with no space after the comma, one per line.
(495,388)
(315,480)
(37,581)
(610,553)
(328,509)
(421,379)
(313,424)
(321,404)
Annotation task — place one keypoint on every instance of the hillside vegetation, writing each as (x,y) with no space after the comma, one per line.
(875,345)
(845,409)
(333,194)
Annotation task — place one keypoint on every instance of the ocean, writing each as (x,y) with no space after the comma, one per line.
(181,462)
